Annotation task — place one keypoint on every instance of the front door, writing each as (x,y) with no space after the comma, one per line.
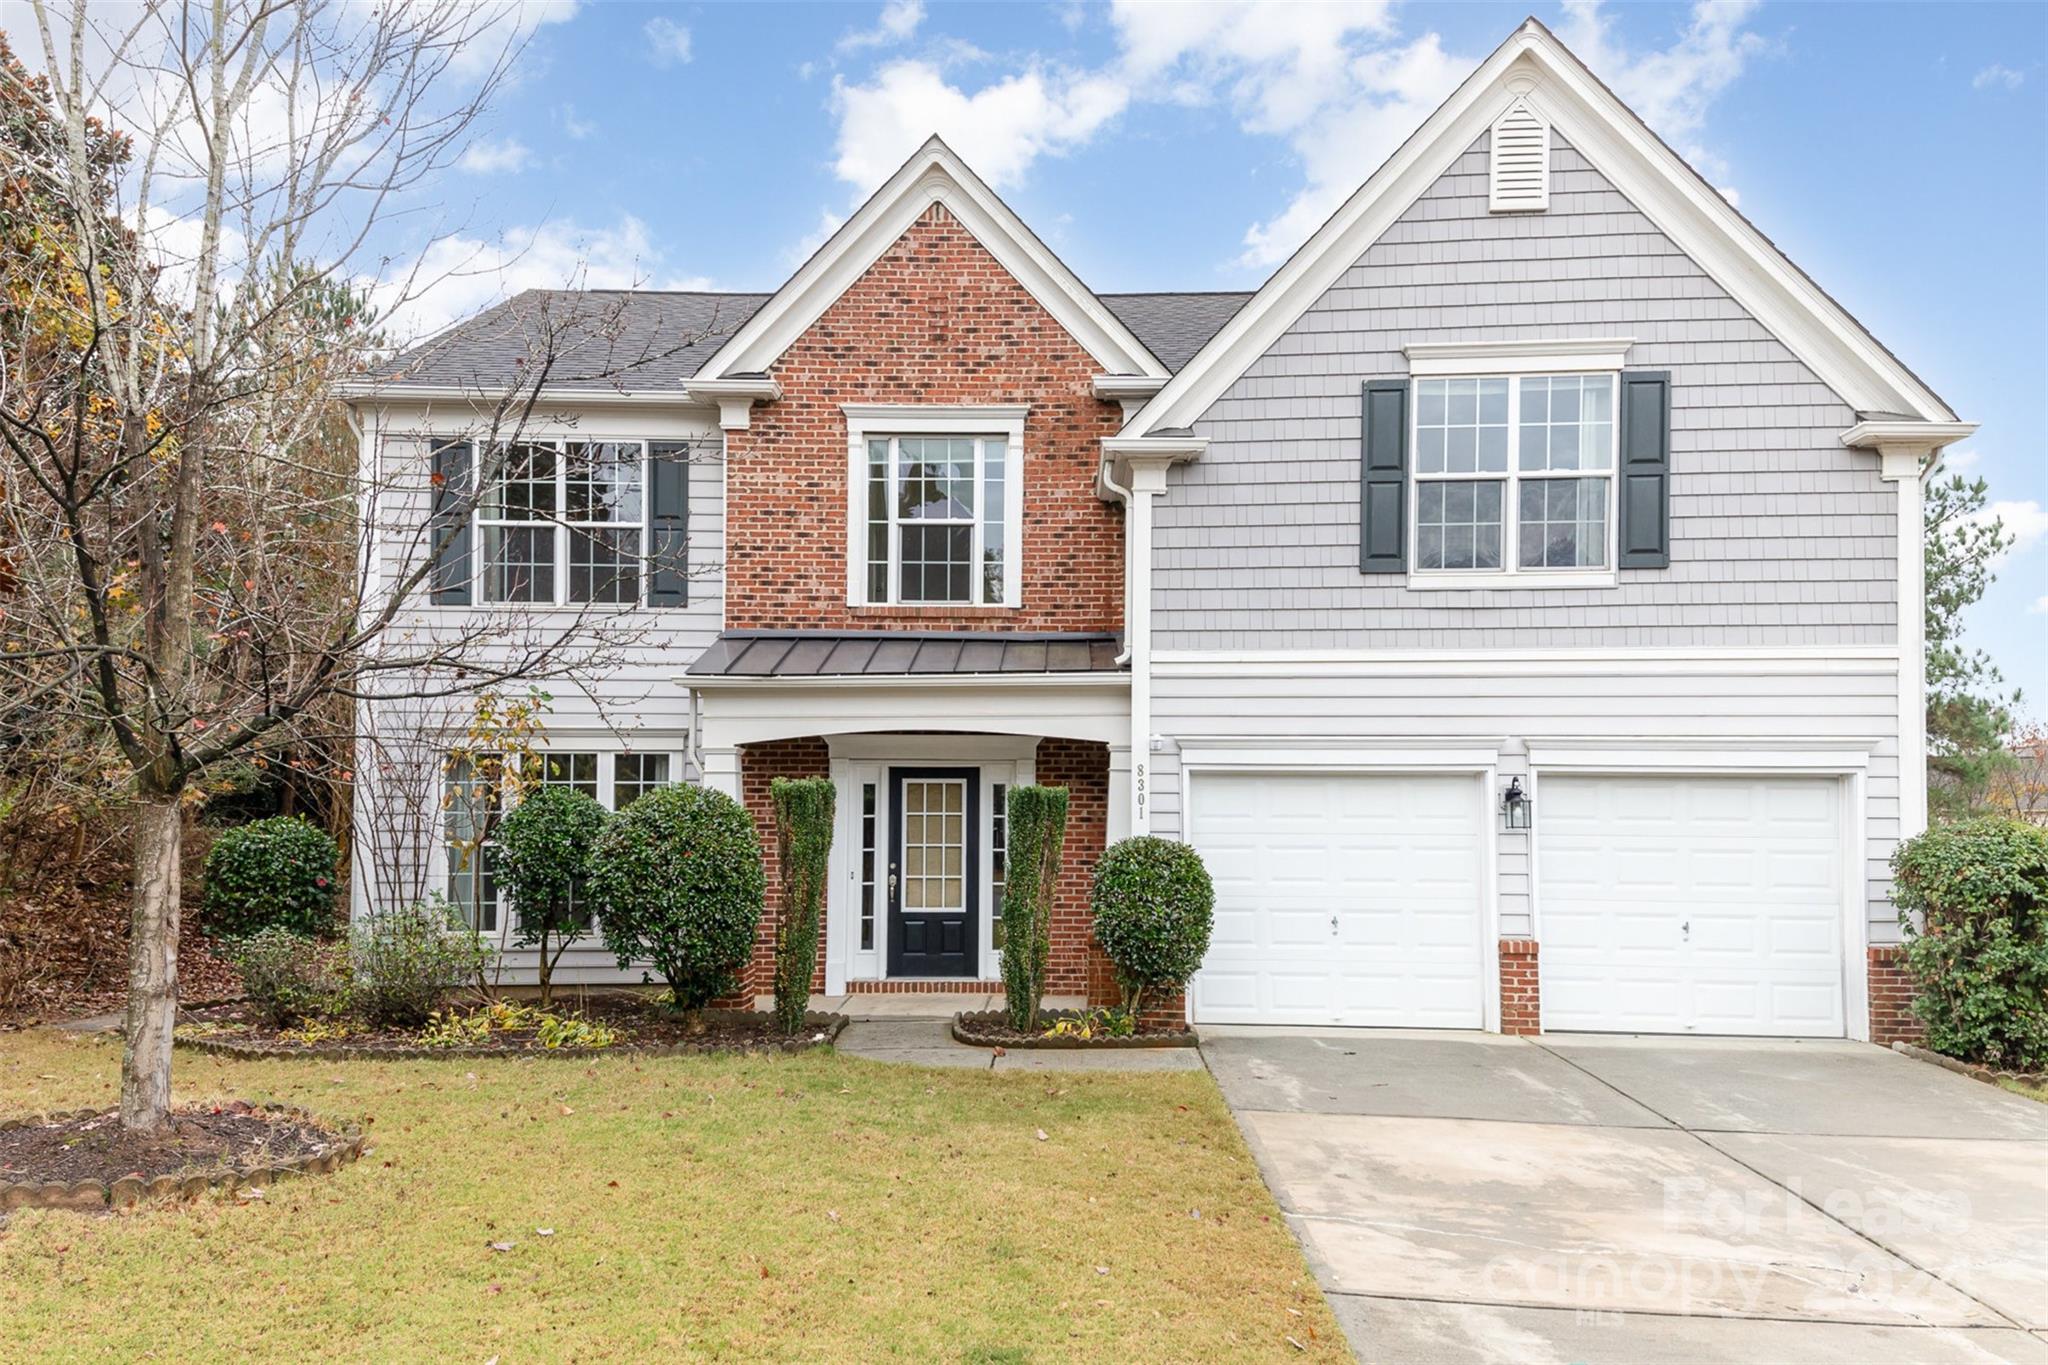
(933,871)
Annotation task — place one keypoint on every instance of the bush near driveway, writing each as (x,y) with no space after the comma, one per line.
(1980,950)
(1154,906)
(677,881)
(270,874)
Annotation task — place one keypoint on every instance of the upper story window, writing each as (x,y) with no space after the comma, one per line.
(1514,473)
(934,506)
(565,522)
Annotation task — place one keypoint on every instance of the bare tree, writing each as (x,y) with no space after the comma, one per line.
(187,582)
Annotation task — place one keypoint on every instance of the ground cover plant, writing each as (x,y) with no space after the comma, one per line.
(814,1207)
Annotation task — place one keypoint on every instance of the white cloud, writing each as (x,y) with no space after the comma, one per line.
(2025,521)
(1961,461)
(485,157)
(828,223)
(1001,129)
(898,21)
(2040,607)
(1998,76)
(668,42)
(458,276)
(577,128)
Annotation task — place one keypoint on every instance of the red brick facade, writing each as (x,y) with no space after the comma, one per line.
(1521,1005)
(1891,998)
(935,320)
(761,764)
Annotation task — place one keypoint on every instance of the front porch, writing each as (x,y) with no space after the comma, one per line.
(923,765)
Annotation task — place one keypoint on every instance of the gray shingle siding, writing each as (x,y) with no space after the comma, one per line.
(1780,536)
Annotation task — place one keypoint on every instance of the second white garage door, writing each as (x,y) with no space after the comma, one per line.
(1673,904)
(1342,898)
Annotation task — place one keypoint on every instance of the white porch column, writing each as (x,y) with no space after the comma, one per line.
(1123,802)
(722,771)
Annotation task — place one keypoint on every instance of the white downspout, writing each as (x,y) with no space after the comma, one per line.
(1138,646)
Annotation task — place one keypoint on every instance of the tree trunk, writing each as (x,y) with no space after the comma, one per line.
(152,962)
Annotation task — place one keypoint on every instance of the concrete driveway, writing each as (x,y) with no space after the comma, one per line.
(1467,1198)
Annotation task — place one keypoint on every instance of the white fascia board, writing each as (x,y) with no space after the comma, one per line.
(1434,359)
(1116,387)
(398,395)
(1653,177)
(934,175)
(949,418)
(1905,446)
(875,682)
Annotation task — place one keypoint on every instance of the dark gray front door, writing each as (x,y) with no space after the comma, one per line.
(934,859)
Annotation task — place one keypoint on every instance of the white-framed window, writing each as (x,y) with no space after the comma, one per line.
(613,778)
(934,505)
(564,522)
(1513,475)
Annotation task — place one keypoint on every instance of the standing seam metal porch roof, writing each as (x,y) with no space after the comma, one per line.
(893,653)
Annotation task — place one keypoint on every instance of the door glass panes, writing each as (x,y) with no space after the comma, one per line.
(998,853)
(934,845)
(867,866)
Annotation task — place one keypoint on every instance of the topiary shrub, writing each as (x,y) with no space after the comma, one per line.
(270,874)
(289,977)
(1037,833)
(803,846)
(544,849)
(1980,951)
(1154,906)
(406,963)
(677,881)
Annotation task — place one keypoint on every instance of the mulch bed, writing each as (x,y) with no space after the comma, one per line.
(991,1028)
(645,1028)
(87,1160)
(1973,1070)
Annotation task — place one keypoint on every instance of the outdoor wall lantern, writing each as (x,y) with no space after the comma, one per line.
(1515,806)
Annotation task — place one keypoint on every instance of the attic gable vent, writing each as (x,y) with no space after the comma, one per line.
(1520,176)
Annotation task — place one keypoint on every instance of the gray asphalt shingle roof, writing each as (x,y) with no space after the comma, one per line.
(640,339)
(817,654)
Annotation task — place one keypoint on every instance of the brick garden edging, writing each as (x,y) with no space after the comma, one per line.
(129,1190)
(964,1031)
(340,1050)
(1986,1074)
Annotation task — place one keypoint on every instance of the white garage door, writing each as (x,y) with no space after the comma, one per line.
(1690,904)
(1341,899)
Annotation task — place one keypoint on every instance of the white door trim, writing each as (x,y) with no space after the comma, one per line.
(1481,762)
(1758,758)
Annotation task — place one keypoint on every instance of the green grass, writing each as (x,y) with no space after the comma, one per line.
(815,1207)
(2037,1093)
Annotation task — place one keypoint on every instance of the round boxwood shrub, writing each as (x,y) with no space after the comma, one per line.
(1153,909)
(677,881)
(1979,953)
(270,874)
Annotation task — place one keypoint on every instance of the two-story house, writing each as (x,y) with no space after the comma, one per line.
(1517,599)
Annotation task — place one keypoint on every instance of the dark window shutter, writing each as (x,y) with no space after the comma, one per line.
(1645,469)
(1383,478)
(450,528)
(668,524)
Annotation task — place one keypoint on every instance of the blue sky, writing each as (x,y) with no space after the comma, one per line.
(1899,153)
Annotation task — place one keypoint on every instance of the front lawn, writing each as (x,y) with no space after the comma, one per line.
(815,1206)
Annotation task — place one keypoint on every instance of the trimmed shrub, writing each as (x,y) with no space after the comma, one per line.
(1980,951)
(803,846)
(270,874)
(1153,910)
(289,976)
(544,849)
(677,882)
(406,963)
(1037,833)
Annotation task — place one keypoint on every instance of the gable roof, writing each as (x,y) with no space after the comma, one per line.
(637,340)
(933,175)
(1533,65)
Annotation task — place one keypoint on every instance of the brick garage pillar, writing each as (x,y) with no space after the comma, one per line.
(1891,997)
(1521,1006)
(761,764)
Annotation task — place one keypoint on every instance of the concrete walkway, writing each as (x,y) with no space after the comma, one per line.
(917,1030)
(1467,1198)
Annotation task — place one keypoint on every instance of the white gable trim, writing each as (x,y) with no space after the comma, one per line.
(1535,66)
(935,175)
